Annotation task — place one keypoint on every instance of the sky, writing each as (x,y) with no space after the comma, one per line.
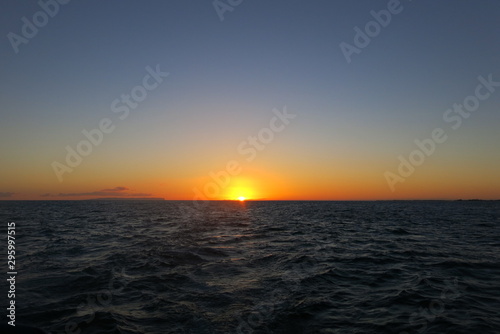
(275,100)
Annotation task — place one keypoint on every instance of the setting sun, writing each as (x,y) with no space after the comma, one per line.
(242,189)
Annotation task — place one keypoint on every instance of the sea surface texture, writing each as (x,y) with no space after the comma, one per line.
(256,267)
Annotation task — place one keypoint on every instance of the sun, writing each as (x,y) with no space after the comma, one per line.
(241,189)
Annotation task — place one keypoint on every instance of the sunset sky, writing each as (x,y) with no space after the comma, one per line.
(323,127)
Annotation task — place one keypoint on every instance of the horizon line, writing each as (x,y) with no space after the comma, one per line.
(250,200)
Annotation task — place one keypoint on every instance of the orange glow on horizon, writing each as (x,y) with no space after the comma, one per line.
(262,182)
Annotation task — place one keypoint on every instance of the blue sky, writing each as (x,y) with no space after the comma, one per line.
(225,78)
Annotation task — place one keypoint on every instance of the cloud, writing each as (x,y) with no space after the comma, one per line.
(6,194)
(115,192)
(117,189)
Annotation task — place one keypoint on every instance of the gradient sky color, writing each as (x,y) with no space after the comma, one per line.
(353,120)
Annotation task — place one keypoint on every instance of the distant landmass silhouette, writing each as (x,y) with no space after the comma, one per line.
(127,199)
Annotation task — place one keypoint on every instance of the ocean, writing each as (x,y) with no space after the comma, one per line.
(256,266)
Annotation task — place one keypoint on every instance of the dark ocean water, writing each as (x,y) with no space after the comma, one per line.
(257,267)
